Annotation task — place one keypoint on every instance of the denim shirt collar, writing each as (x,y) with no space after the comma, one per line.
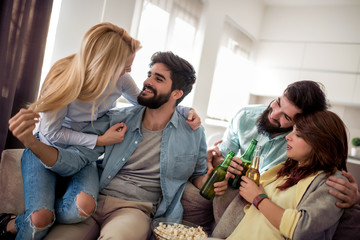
(135,124)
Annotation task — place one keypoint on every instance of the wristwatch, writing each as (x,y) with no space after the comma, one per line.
(258,199)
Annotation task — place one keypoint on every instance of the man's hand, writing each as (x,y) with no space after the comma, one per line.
(347,191)
(193,120)
(115,134)
(22,125)
(235,167)
(214,156)
(219,187)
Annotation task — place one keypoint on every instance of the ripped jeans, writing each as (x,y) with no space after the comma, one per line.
(41,190)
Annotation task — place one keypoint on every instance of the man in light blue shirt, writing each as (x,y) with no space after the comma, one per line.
(240,132)
(269,125)
(144,175)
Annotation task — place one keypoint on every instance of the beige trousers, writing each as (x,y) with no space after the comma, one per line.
(114,219)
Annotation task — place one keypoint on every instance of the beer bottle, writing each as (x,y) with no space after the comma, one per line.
(217,175)
(246,159)
(253,172)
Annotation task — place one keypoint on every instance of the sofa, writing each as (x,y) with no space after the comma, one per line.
(11,182)
(12,201)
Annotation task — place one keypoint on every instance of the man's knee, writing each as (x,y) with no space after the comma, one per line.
(42,218)
(86,204)
(197,209)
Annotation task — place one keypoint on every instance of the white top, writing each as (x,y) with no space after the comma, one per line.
(63,128)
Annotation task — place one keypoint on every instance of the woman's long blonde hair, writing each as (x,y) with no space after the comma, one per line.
(86,74)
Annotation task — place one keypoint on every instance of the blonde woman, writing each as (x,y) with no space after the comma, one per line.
(78,90)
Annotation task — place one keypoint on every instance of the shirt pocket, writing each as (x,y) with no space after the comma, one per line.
(182,166)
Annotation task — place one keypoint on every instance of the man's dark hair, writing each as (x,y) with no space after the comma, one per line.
(307,96)
(182,72)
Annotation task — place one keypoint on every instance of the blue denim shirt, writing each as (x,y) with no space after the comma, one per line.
(182,155)
(242,129)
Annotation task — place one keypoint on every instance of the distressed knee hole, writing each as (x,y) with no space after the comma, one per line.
(86,204)
(42,218)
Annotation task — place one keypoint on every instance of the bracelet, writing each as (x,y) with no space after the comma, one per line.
(258,199)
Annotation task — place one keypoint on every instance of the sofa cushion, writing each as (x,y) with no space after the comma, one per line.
(197,209)
(11,182)
(349,225)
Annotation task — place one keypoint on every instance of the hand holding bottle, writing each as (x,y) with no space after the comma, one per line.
(216,175)
(235,167)
(246,159)
(249,189)
(219,187)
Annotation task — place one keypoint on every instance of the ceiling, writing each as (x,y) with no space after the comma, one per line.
(310,2)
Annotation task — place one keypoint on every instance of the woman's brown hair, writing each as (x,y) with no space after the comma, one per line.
(326,133)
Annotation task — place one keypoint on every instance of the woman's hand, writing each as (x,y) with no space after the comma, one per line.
(193,120)
(115,134)
(249,190)
(22,125)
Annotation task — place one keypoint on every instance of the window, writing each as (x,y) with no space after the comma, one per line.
(232,75)
(167,25)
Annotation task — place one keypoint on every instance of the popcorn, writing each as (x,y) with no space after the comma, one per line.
(179,232)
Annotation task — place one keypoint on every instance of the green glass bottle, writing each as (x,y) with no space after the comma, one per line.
(246,159)
(253,172)
(217,175)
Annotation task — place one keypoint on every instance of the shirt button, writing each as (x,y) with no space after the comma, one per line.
(136,142)
(123,159)
(109,177)
(170,126)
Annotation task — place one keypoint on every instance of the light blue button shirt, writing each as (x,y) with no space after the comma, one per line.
(182,155)
(242,129)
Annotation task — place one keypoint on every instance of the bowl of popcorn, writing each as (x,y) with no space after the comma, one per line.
(170,229)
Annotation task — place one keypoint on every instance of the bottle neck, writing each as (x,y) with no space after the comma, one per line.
(247,156)
(226,162)
(255,162)
(256,158)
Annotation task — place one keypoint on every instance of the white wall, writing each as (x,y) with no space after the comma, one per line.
(318,43)
(76,17)
(316,24)
(247,15)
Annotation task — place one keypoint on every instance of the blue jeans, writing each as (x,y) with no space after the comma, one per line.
(40,191)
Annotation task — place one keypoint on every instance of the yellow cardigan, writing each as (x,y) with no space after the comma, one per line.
(255,225)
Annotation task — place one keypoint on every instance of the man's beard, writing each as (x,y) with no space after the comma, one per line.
(265,127)
(156,101)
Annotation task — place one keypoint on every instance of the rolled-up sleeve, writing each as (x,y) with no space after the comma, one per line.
(73,159)
(316,217)
(52,132)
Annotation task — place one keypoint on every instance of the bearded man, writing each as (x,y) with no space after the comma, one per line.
(268,125)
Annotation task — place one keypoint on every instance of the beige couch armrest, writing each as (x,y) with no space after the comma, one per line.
(11,182)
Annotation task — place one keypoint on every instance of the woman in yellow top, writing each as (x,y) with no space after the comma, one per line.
(292,201)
